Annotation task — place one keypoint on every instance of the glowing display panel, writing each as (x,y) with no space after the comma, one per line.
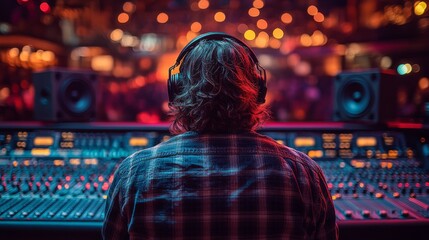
(304,142)
(40,152)
(138,141)
(43,141)
(366,141)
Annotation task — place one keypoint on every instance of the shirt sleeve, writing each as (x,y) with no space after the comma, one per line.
(327,228)
(115,222)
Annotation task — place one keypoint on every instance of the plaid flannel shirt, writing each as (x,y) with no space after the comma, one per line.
(231,186)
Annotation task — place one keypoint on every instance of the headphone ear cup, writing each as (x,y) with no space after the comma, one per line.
(174,86)
(262,90)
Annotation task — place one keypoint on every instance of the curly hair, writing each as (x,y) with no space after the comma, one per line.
(219,90)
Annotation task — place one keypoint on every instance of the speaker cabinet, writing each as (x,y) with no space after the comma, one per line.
(65,95)
(366,96)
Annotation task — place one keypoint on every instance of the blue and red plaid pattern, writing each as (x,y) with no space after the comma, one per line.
(222,186)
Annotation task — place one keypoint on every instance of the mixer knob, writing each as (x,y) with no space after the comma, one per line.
(405,213)
(348,213)
(366,213)
(24,214)
(24,188)
(78,214)
(413,195)
(91,214)
(37,213)
(396,194)
(379,195)
(11,213)
(51,214)
(382,213)
(64,214)
(338,196)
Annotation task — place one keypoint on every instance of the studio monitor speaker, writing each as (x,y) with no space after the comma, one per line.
(365,96)
(65,95)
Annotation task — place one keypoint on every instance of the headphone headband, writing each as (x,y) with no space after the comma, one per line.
(174,80)
(213,36)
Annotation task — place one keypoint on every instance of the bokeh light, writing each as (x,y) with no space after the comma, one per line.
(241,28)
(319,17)
(129,7)
(420,8)
(196,27)
(258,4)
(262,24)
(203,4)
(305,40)
(123,17)
(162,17)
(262,39)
(249,35)
(275,43)
(424,83)
(44,7)
(219,17)
(403,69)
(254,12)
(385,62)
(286,18)
(278,33)
(116,35)
(312,10)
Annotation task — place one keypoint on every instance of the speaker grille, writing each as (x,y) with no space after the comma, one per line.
(355,97)
(358,95)
(76,95)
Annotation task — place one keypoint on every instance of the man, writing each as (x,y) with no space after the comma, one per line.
(218,178)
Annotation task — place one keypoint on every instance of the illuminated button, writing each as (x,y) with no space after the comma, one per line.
(37,213)
(355,195)
(43,141)
(138,141)
(24,214)
(11,213)
(405,213)
(64,214)
(396,195)
(348,213)
(366,213)
(413,195)
(40,151)
(78,214)
(379,195)
(382,213)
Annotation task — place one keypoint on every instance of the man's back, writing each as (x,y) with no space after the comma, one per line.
(221,186)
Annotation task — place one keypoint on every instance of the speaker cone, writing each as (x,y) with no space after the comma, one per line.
(355,98)
(77,96)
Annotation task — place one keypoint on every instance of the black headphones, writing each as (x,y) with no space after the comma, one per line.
(175,79)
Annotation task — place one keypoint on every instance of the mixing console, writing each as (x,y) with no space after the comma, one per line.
(54,178)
